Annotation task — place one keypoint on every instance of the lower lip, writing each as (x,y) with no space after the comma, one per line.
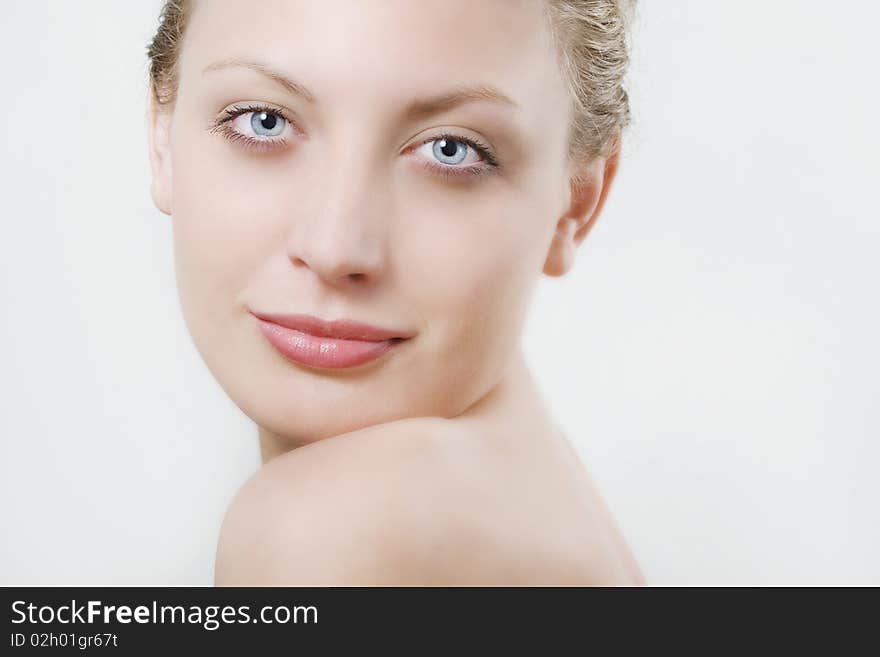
(321,351)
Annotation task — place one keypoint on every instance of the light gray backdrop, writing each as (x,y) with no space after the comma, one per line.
(714,355)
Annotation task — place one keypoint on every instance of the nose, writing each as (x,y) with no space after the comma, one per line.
(342,237)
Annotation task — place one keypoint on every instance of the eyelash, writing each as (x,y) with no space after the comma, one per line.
(221,126)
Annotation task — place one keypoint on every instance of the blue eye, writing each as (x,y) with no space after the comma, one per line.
(454,156)
(267,124)
(443,153)
(255,127)
(450,148)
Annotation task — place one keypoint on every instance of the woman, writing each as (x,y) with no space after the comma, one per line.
(364,195)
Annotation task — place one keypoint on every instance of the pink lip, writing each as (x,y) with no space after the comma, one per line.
(331,344)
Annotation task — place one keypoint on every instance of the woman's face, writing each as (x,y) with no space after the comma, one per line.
(344,202)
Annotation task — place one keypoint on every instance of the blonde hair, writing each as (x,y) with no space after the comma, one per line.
(591,39)
(592,46)
(164,50)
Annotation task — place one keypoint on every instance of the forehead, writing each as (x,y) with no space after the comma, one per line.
(349,51)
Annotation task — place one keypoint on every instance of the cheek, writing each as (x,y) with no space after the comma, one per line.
(472,267)
(475,275)
(223,222)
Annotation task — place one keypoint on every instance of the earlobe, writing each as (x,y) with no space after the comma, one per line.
(158,131)
(560,256)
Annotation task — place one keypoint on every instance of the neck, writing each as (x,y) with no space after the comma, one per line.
(515,401)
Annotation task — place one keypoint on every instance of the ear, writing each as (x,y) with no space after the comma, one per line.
(159,131)
(589,189)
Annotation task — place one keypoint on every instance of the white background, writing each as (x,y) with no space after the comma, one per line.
(714,355)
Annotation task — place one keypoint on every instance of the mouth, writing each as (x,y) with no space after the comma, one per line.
(338,344)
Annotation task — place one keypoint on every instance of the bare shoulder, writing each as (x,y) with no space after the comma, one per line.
(417,501)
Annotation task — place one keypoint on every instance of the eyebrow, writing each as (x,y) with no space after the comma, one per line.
(291,86)
(417,108)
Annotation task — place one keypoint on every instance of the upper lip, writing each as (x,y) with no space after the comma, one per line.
(343,329)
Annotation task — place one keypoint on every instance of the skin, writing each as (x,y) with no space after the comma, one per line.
(345,220)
